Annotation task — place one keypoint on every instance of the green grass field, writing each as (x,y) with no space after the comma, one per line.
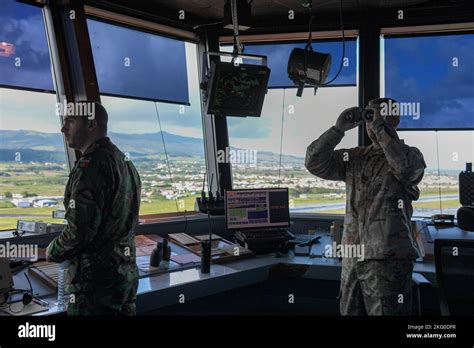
(162,205)
(43,181)
(37,179)
(157,206)
(30,178)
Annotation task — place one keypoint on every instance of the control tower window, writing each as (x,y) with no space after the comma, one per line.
(33,165)
(292,123)
(432,75)
(148,81)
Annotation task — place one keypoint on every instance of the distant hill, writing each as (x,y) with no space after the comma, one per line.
(29,155)
(152,144)
(42,145)
(25,139)
(48,147)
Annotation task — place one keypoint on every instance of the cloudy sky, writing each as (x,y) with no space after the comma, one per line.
(418,70)
(135,63)
(438,73)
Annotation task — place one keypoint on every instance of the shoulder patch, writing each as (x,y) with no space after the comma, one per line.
(84,163)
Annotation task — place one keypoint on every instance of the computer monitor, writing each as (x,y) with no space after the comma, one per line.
(237,90)
(257,208)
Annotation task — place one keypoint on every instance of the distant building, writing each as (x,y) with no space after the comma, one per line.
(45,203)
(21,203)
(333,195)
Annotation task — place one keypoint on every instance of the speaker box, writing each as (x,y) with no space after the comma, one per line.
(6,278)
(465,218)
(466,186)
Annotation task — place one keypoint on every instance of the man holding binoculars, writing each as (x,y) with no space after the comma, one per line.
(381,183)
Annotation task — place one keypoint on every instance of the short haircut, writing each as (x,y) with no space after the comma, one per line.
(99,113)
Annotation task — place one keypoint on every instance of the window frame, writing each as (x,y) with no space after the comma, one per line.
(58,78)
(148,27)
(421,31)
(209,129)
(283,38)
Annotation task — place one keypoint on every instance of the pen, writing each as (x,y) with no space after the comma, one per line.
(40,302)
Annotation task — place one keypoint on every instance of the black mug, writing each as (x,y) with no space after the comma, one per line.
(156,255)
(206,256)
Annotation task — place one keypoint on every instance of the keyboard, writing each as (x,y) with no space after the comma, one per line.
(264,241)
(306,239)
(266,234)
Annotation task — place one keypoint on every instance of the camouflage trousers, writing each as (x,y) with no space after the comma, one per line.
(376,287)
(105,301)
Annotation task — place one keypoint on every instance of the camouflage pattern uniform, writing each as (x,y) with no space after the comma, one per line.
(102,200)
(381,184)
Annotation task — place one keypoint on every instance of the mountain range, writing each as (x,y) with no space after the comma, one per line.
(49,147)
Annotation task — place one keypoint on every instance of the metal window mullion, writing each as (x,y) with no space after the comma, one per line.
(369,71)
(58,72)
(73,66)
(210,149)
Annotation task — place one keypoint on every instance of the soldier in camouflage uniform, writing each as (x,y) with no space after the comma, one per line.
(381,183)
(102,200)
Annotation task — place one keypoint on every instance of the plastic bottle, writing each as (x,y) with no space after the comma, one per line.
(63,297)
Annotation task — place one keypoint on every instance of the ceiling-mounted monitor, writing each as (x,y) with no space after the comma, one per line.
(236,89)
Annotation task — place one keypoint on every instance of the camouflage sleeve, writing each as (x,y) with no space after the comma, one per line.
(322,160)
(83,215)
(407,163)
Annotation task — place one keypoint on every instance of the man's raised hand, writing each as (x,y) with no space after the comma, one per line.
(349,119)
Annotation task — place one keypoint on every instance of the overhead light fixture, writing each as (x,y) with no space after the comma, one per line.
(306,67)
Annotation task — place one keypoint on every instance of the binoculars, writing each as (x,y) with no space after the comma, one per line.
(356,114)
